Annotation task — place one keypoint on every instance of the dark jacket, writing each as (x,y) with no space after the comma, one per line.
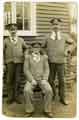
(14,52)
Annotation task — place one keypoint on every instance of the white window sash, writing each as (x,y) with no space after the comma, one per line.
(32,31)
(13,6)
(23,14)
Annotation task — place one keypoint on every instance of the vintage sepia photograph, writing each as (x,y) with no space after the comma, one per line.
(39,59)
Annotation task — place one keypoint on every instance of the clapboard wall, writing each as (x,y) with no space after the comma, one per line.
(46,11)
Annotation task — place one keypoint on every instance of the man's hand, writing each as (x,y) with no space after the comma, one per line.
(34,82)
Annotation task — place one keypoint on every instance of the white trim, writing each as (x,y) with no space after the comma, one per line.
(25,33)
(13,7)
(21,33)
(32,31)
(23,15)
(33,17)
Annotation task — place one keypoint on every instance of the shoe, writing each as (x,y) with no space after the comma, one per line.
(64,102)
(10,101)
(54,97)
(28,114)
(49,114)
(18,101)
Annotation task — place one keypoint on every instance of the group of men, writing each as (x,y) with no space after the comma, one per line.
(39,69)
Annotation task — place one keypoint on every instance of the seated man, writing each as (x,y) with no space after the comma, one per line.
(36,71)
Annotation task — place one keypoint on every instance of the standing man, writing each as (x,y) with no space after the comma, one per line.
(36,71)
(55,44)
(13,58)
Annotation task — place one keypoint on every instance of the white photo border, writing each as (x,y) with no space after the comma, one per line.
(2,117)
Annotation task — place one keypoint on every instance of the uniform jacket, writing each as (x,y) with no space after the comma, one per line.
(36,70)
(56,48)
(14,52)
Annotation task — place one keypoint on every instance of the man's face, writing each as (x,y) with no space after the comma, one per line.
(36,50)
(13,30)
(55,27)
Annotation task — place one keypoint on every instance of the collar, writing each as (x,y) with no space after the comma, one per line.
(36,57)
(53,35)
(15,39)
(33,54)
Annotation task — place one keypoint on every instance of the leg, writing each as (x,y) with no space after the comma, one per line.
(18,70)
(28,92)
(47,90)
(60,72)
(52,77)
(10,74)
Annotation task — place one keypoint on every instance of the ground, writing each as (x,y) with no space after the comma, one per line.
(59,110)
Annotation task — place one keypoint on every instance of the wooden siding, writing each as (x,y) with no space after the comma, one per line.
(45,11)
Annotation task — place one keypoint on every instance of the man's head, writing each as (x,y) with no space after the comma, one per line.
(56,23)
(12,28)
(36,47)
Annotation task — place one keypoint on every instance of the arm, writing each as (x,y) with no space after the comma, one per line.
(4,49)
(44,44)
(4,45)
(27,72)
(46,68)
(25,46)
(69,45)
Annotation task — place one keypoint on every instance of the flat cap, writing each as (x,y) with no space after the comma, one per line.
(55,21)
(36,44)
(11,25)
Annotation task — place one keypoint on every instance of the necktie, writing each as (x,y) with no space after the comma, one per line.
(56,37)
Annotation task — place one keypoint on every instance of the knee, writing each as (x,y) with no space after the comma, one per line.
(49,90)
(27,90)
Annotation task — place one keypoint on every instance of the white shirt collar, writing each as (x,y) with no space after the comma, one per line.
(15,39)
(53,35)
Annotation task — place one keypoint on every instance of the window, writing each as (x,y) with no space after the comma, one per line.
(22,13)
(7,14)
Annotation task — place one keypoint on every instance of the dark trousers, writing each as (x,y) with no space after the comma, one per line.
(13,80)
(59,70)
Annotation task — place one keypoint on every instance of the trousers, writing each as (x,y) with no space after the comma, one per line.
(28,94)
(57,69)
(13,80)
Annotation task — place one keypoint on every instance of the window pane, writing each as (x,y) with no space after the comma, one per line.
(19,15)
(7,13)
(22,17)
(27,16)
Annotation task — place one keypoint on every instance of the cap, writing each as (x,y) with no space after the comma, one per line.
(36,45)
(11,26)
(55,21)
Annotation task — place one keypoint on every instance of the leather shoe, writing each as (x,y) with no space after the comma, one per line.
(10,101)
(49,114)
(28,114)
(64,102)
(18,101)
(54,97)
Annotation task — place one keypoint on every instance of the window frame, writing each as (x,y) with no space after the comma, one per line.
(32,31)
